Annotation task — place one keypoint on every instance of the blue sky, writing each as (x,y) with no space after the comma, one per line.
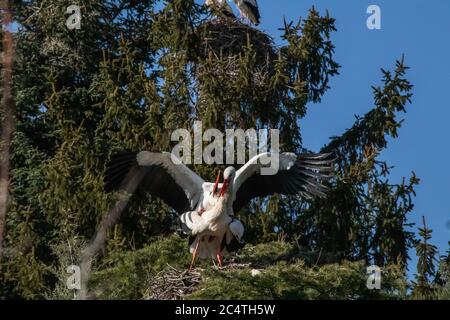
(419,29)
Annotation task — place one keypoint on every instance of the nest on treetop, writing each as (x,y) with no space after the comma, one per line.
(225,37)
(239,60)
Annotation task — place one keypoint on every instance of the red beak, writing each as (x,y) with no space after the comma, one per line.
(216,184)
(224,187)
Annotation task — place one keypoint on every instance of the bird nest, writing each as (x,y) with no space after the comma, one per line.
(226,37)
(231,51)
(174,284)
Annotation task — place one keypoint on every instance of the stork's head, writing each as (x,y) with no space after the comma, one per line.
(228,178)
(229,174)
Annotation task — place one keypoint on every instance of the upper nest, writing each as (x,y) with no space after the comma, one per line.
(228,37)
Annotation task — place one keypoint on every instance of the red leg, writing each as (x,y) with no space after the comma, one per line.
(219,259)
(194,255)
(219,255)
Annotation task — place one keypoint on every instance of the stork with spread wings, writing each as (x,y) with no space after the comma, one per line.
(207,209)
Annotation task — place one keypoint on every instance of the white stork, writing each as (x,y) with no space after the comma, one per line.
(249,9)
(207,209)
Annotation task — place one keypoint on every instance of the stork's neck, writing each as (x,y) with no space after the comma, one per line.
(224,203)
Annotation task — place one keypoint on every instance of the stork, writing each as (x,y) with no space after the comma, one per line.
(249,9)
(207,209)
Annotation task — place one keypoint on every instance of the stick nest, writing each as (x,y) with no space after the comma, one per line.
(226,37)
(234,58)
(174,284)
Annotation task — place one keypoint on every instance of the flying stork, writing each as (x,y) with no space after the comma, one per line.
(247,8)
(207,209)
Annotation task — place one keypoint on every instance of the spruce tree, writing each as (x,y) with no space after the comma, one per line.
(136,71)
(426,265)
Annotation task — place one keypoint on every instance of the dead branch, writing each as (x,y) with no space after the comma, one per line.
(108,222)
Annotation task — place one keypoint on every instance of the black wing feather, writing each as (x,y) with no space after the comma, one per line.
(117,170)
(304,178)
(156,180)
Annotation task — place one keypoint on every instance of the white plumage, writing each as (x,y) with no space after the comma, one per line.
(237,229)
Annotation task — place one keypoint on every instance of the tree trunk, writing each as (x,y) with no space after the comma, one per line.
(8,118)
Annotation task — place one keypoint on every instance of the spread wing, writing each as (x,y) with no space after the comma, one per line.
(157,174)
(298,174)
